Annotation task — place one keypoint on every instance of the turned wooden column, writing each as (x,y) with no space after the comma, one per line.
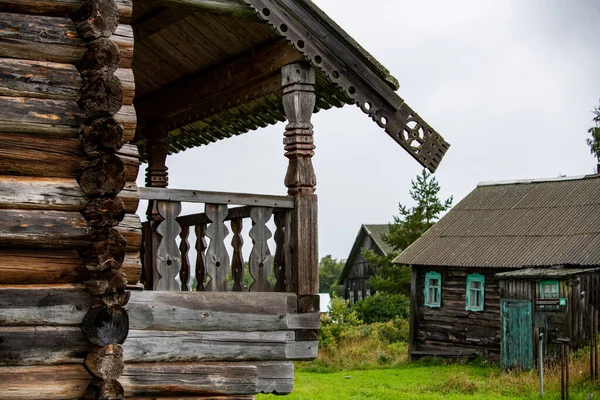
(157,147)
(299,98)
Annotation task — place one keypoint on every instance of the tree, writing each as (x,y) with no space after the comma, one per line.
(594,141)
(408,226)
(330,270)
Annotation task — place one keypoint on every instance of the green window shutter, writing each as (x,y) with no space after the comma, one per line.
(433,289)
(475,292)
(549,290)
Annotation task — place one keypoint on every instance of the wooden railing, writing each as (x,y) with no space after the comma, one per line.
(220,262)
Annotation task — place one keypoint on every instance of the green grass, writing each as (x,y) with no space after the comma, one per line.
(420,381)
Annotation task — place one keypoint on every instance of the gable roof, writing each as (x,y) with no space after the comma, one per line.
(516,224)
(375,232)
(346,73)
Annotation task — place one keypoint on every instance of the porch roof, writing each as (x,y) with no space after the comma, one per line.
(533,223)
(210,70)
(556,272)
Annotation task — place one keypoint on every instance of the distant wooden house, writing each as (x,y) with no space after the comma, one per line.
(357,271)
(94,305)
(510,261)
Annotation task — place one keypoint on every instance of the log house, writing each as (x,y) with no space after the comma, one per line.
(510,261)
(94,305)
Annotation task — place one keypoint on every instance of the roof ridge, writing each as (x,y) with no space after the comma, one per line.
(539,180)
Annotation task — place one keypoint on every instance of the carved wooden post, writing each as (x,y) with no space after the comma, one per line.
(298,81)
(157,147)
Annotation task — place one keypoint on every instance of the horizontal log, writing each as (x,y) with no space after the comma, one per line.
(200,196)
(42,193)
(127,117)
(42,345)
(44,267)
(132,267)
(69,345)
(145,381)
(49,156)
(131,229)
(200,311)
(43,229)
(59,8)
(123,37)
(149,310)
(47,116)
(26,266)
(154,346)
(125,75)
(53,194)
(177,379)
(234,8)
(32,305)
(43,382)
(21,38)
(25,78)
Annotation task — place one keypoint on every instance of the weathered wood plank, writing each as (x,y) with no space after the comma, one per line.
(20,38)
(59,8)
(173,379)
(48,116)
(45,229)
(51,382)
(211,311)
(27,267)
(50,156)
(145,381)
(24,78)
(42,345)
(62,194)
(200,196)
(234,8)
(151,346)
(30,305)
(24,266)
(237,260)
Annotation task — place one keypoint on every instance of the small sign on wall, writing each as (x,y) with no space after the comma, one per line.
(562,301)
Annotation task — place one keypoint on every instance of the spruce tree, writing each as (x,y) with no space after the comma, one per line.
(407,227)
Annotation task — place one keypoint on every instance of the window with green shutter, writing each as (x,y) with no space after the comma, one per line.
(549,290)
(475,292)
(433,289)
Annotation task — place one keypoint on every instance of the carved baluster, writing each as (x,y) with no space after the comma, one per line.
(217,259)
(279,259)
(200,257)
(261,260)
(168,258)
(237,262)
(298,82)
(184,248)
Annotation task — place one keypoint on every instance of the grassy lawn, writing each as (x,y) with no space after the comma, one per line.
(418,381)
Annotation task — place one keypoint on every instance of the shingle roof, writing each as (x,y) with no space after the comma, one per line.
(516,224)
(376,233)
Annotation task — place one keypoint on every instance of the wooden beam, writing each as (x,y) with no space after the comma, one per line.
(154,23)
(234,8)
(238,81)
(200,196)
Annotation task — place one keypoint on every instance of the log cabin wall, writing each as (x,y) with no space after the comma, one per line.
(67,195)
(451,330)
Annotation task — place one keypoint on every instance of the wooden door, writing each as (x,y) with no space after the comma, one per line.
(516,348)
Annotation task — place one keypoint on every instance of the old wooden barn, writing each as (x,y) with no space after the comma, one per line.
(357,270)
(510,261)
(88,88)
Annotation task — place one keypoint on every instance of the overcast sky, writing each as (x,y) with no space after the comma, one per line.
(509,84)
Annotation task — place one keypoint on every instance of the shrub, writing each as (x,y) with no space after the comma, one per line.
(382,307)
